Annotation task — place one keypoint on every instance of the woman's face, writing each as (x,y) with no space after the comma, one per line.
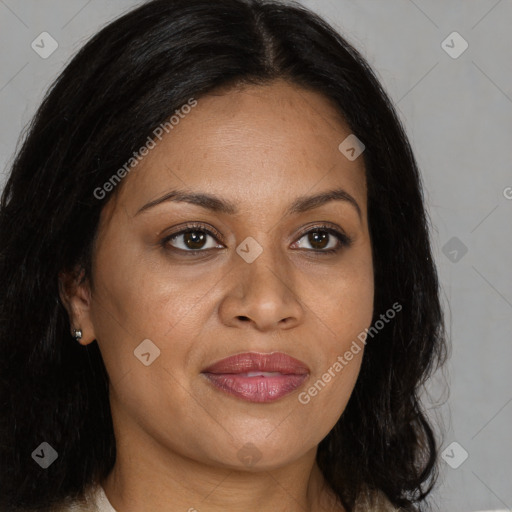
(163,309)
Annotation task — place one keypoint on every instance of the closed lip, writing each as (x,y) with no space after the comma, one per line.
(256,361)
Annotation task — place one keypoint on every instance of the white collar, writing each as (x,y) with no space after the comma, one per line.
(100,500)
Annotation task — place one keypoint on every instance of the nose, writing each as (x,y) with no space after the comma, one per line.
(262,294)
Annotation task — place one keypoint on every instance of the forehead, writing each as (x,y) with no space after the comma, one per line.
(256,144)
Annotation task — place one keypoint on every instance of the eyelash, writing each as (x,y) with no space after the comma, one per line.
(343,239)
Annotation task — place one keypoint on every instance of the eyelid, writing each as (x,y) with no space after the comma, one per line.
(324,226)
(191,226)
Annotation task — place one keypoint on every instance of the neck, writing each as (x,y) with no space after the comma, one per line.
(157,479)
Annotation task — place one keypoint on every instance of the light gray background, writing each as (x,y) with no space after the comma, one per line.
(458,115)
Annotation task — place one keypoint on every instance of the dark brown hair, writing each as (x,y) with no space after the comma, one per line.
(121,85)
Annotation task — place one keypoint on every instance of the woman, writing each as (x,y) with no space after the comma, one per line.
(218,288)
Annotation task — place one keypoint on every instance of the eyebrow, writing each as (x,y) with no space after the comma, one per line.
(216,204)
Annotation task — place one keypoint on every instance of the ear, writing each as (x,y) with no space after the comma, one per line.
(75,294)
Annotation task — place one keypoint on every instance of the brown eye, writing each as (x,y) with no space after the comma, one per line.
(324,240)
(318,239)
(191,239)
(194,238)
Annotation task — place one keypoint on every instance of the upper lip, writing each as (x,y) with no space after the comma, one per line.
(255,361)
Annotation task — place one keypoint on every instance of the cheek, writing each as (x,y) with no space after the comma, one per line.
(143,294)
(341,299)
(139,296)
(343,309)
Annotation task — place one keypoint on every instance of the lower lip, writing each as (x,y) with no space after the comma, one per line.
(256,389)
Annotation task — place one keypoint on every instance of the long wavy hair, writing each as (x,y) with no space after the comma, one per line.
(126,81)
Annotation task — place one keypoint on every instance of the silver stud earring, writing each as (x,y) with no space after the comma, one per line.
(77,334)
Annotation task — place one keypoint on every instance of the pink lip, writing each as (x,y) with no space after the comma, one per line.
(230,375)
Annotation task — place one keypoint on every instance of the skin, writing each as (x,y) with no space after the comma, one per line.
(259,147)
